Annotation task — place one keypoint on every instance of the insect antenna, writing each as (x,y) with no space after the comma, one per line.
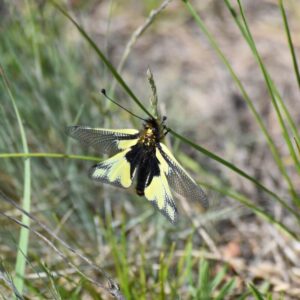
(103,91)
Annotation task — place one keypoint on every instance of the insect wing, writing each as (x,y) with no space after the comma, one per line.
(159,194)
(179,180)
(104,140)
(115,170)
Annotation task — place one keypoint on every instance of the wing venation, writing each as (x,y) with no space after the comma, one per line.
(104,140)
(178,178)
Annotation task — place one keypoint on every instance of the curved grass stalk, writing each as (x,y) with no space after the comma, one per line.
(136,34)
(277,94)
(270,86)
(104,59)
(249,102)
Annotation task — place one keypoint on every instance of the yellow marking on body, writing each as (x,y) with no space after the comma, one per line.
(124,144)
(147,137)
(149,132)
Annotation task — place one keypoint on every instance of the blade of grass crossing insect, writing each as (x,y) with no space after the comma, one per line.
(103,58)
(26,203)
(277,94)
(249,102)
(290,41)
(270,85)
(237,170)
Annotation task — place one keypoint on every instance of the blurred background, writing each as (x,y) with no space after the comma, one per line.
(55,77)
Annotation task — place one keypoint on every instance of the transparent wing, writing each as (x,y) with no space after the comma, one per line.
(179,180)
(159,194)
(115,170)
(104,140)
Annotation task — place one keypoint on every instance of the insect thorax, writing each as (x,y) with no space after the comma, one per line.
(150,134)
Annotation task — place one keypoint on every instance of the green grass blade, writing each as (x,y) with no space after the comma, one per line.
(204,288)
(26,203)
(274,93)
(237,170)
(47,155)
(290,41)
(297,144)
(277,94)
(258,211)
(288,116)
(104,59)
(34,43)
(255,292)
(219,277)
(225,290)
(249,102)
(270,87)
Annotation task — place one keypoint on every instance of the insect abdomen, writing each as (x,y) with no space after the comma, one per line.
(147,169)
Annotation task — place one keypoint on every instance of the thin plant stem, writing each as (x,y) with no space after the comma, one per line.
(104,59)
(246,202)
(249,102)
(236,170)
(274,102)
(135,36)
(290,41)
(48,155)
(20,266)
(277,94)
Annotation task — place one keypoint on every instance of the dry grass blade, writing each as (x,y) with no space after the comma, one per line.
(113,287)
(139,31)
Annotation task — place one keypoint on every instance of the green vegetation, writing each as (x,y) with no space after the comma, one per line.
(64,237)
